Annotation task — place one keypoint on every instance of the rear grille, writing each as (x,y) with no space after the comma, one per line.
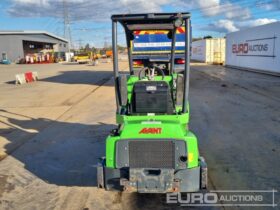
(151,154)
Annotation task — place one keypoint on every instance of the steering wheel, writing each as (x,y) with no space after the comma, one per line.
(150,72)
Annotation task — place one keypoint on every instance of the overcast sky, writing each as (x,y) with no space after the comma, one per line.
(90,19)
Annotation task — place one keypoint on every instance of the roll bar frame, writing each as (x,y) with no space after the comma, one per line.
(155,21)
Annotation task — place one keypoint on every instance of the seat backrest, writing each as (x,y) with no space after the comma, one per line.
(152,97)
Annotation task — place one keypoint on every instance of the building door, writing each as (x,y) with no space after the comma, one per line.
(4,56)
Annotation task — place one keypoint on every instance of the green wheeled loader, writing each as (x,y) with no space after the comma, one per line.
(152,150)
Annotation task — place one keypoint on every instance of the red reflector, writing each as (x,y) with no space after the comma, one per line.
(180,61)
(137,62)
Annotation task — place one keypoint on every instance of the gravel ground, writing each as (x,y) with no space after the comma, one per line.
(52,133)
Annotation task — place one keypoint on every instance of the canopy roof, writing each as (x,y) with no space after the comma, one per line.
(150,21)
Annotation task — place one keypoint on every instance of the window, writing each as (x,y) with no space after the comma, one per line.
(60,45)
(64,45)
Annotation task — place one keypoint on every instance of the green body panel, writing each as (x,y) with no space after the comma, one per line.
(182,119)
(171,127)
(189,138)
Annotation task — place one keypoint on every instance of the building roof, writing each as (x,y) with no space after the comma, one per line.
(23,32)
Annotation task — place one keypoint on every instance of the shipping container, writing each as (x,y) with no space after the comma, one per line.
(255,48)
(209,50)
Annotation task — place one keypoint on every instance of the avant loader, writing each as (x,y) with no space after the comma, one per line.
(152,150)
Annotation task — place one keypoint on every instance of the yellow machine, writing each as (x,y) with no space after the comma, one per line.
(98,55)
(84,57)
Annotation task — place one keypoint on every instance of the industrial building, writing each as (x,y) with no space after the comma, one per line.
(31,46)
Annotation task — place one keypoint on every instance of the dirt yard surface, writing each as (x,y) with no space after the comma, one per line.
(52,133)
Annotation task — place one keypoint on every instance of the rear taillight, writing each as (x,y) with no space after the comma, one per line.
(179,61)
(137,62)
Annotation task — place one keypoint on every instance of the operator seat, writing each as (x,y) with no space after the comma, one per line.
(152,97)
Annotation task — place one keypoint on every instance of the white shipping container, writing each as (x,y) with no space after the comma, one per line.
(199,50)
(209,50)
(255,48)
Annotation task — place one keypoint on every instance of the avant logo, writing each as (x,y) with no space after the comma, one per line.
(150,131)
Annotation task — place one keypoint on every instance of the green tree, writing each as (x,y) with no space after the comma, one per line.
(87,47)
(196,39)
(208,37)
